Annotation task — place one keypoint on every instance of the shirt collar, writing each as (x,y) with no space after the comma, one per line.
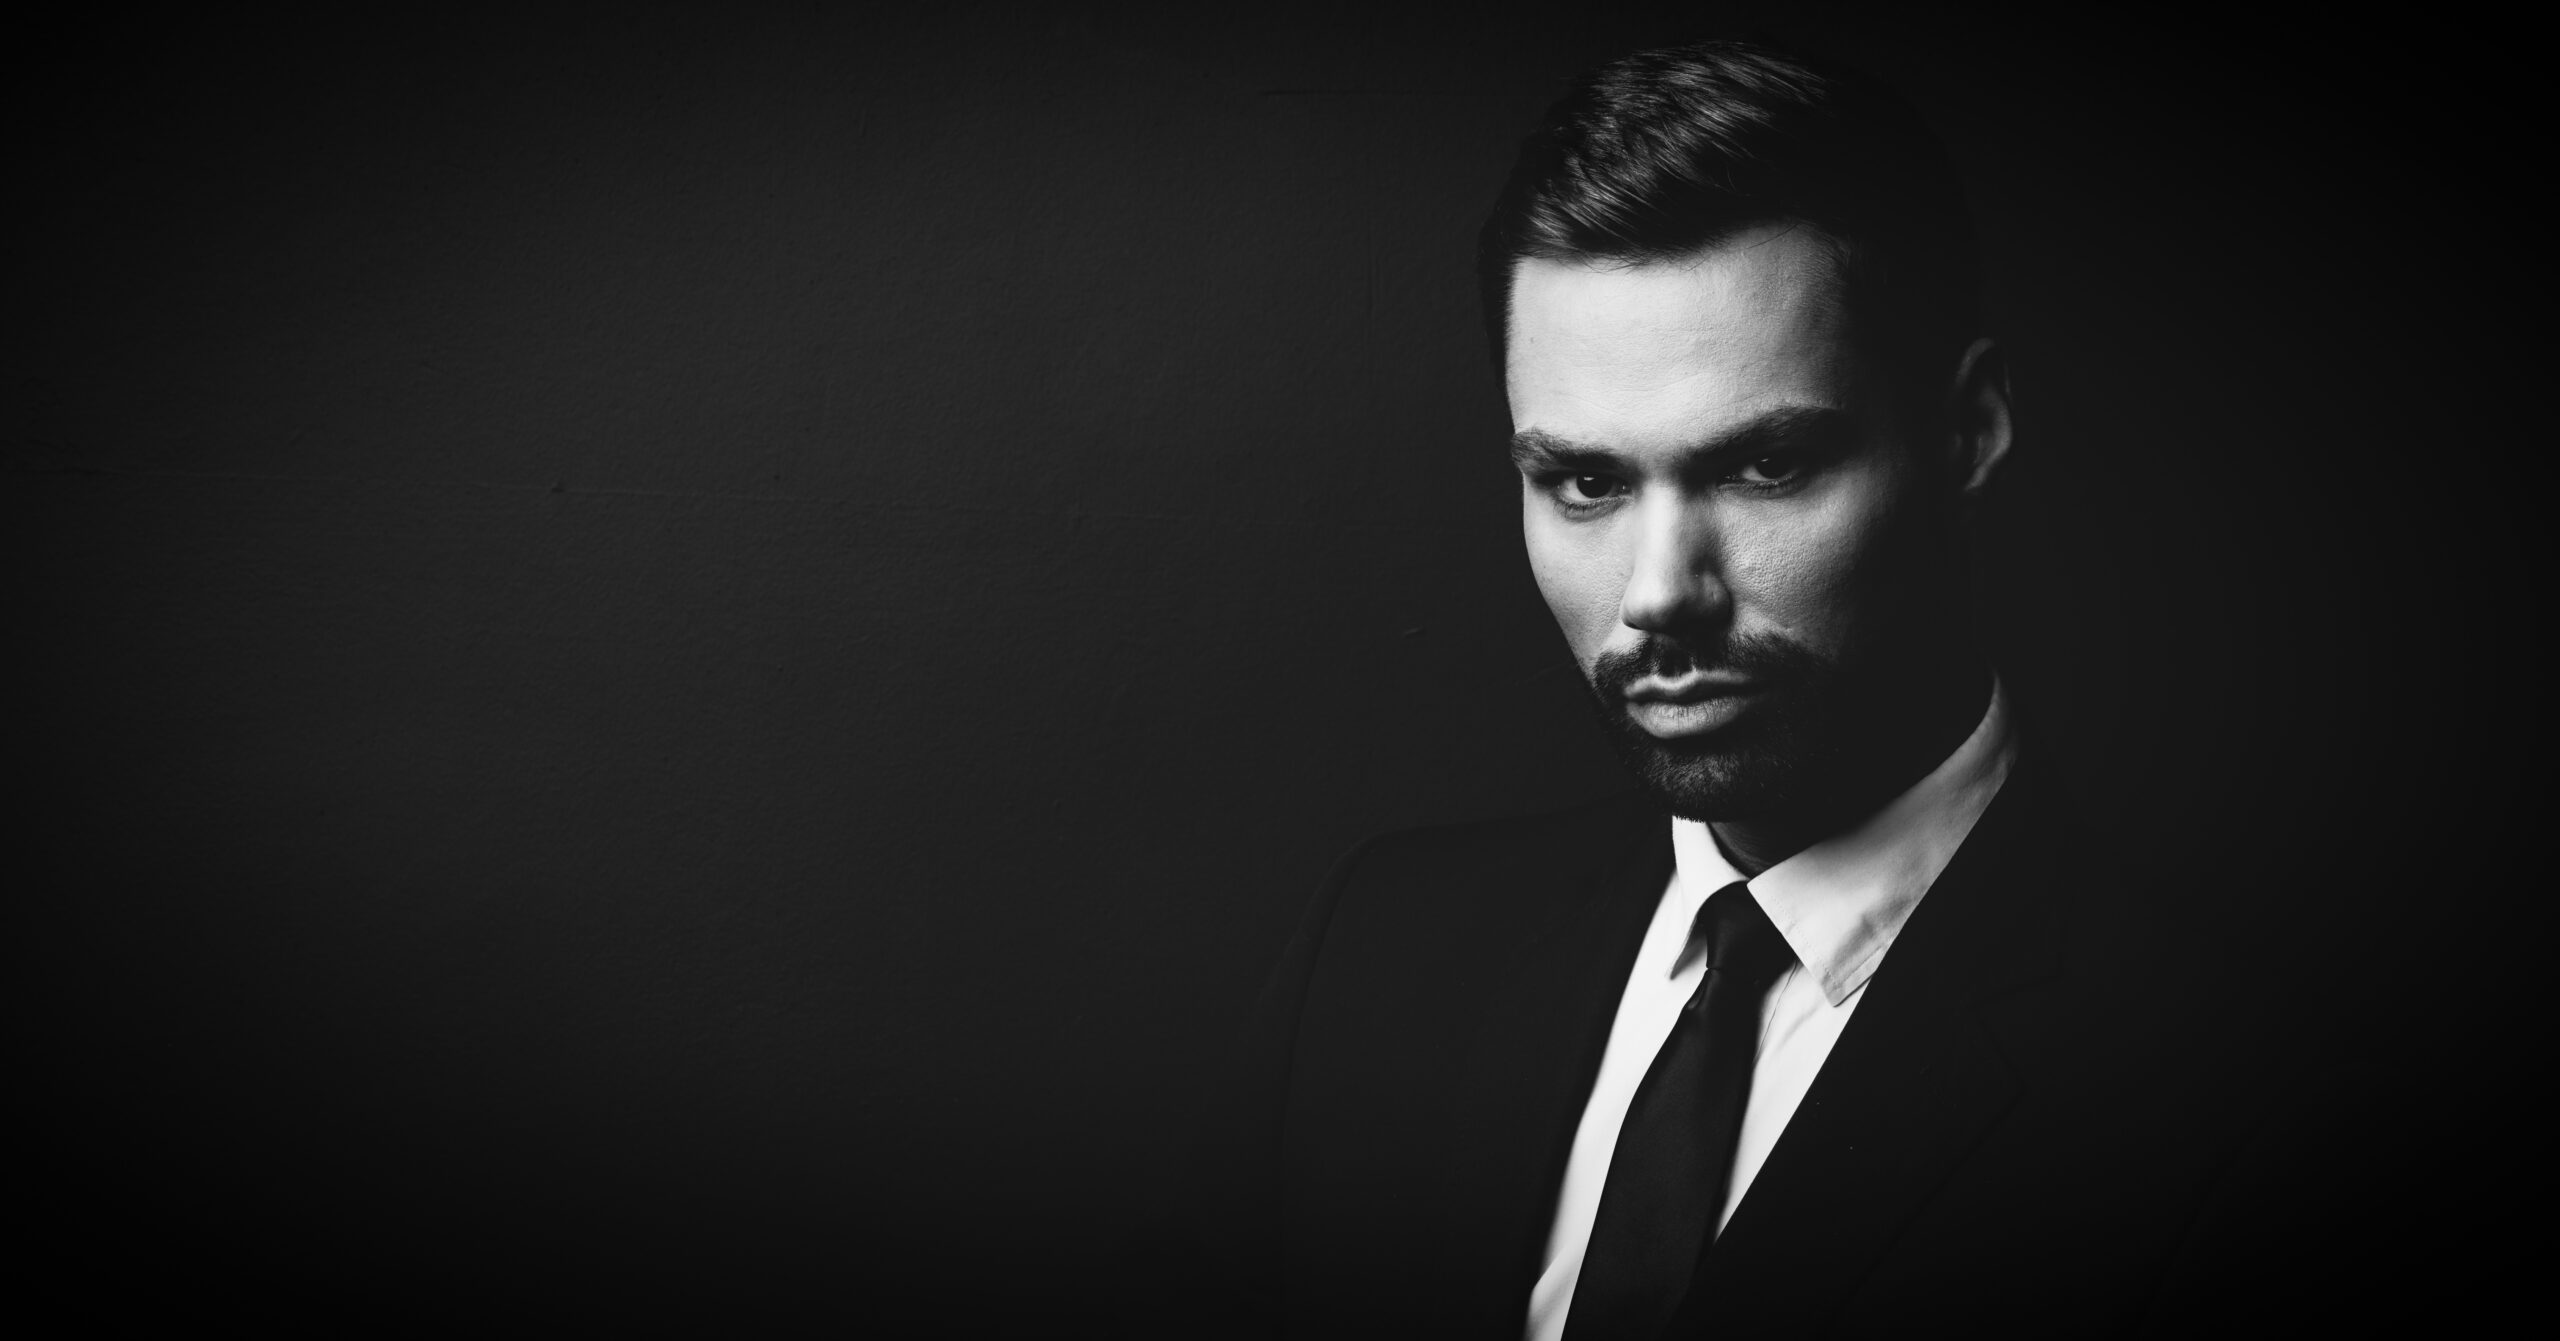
(1841,902)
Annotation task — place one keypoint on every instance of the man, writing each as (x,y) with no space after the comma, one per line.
(1835,1026)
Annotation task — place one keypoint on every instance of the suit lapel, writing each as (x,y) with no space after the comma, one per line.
(1914,1082)
(1537,1045)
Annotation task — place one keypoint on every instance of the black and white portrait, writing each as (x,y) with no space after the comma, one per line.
(1553,673)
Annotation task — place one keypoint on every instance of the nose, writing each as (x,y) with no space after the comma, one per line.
(1676,583)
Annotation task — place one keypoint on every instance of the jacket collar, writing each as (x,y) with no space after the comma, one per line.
(1912,1083)
(1841,902)
(1917,1078)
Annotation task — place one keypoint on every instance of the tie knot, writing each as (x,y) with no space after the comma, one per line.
(1739,938)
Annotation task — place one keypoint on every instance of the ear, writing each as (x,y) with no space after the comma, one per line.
(1978,419)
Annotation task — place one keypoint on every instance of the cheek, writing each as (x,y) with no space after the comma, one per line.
(1826,575)
(1577,570)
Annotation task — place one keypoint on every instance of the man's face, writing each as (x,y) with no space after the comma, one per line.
(1724,512)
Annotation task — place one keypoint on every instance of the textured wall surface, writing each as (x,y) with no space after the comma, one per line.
(665,649)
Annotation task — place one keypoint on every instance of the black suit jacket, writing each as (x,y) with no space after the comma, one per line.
(2031,1124)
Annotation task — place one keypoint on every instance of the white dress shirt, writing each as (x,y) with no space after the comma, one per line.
(1839,904)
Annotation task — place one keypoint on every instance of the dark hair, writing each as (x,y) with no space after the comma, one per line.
(1662,154)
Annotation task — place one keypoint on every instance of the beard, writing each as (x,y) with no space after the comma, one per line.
(1781,755)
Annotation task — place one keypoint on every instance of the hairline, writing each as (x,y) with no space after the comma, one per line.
(1912,373)
(1839,255)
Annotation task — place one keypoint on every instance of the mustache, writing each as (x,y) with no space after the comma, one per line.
(1760,658)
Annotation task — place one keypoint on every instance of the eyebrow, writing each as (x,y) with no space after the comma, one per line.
(1535,450)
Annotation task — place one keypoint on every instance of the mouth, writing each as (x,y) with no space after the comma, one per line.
(1689,705)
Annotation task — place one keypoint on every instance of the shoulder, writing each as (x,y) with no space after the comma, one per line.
(1459,892)
(1484,865)
(1496,843)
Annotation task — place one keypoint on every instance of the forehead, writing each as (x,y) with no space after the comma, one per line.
(1609,352)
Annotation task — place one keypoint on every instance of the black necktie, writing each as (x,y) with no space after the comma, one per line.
(1675,1149)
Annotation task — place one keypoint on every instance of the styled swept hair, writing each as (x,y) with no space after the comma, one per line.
(1663,154)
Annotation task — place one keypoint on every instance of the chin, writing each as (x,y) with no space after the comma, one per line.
(1757,768)
(1718,787)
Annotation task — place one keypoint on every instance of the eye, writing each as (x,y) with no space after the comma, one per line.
(1593,488)
(1774,469)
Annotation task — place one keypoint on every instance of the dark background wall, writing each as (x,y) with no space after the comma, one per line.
(681,655)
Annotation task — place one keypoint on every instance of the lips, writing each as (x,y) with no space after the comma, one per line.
(1690,688)
(1690,705)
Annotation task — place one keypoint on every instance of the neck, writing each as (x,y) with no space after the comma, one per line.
(1943,716)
